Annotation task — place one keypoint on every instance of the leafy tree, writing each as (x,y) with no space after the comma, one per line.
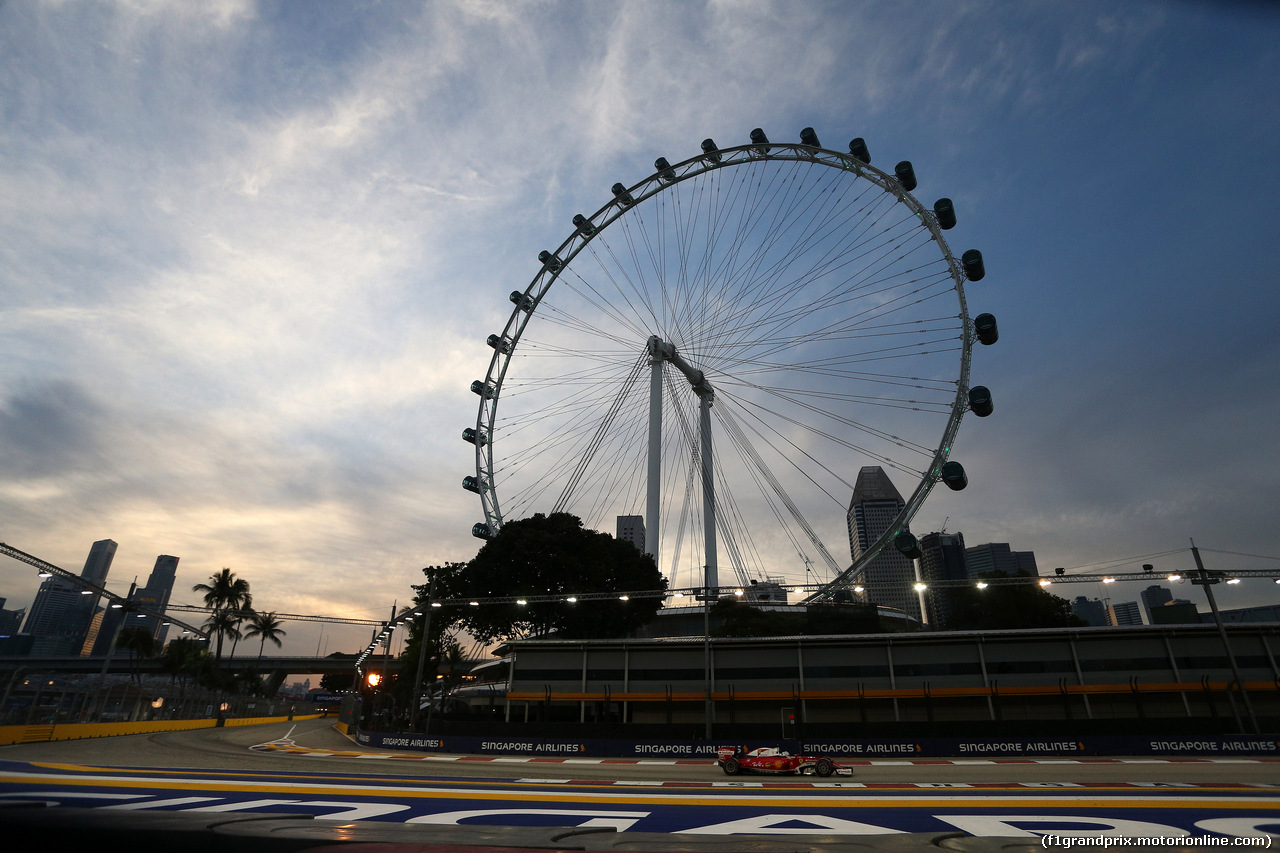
(338,682)
(444,622)
(181,660)
(267,627)
(1004,606)
(734,618)
(555,555)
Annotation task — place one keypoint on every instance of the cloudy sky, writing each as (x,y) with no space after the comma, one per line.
(250,252)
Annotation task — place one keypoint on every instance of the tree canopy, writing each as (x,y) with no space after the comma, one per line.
(1003,606)
(551,555)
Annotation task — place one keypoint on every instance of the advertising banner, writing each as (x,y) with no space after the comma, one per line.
(850,749)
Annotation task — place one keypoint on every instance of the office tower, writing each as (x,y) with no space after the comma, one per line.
(943,559)
(889,578)
(10,620)
(1091,610)
(999,557)
(78,619)
(113,620)
(98,564)
(1179,611)
(1124,613)
(1154,596)
(60,615)
(155,595)
(631,529)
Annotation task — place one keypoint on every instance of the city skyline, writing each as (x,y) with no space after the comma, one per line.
(252,253)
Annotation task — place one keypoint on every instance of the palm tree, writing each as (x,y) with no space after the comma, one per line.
(222,623)
(266,626)
(226,595)
(225,591)
(139,642)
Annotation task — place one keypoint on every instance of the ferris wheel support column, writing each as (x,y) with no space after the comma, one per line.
(653,497)
(711,579)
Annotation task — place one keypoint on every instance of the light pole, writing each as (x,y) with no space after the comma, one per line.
(1207,580)
(422,659)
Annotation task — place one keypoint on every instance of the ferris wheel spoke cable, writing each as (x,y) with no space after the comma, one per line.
(749,452)
(600,433)
(767,321)
(774,286)
(818,464)
(842,442)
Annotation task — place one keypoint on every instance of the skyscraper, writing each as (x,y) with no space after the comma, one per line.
(1124,613)
(999,557)
(60,615)
(888,578)
(631,529)
(943,559)
(1091,610)
(155,595)
(1154,596)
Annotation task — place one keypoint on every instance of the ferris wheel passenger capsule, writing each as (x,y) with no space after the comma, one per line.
(524,300)
(584,226)
(984,326)
(906,175)
(620,193)
(665,173)
(710,150)
(499,342)
(858,148)
(481,531)
(972,263)
(809,137)
(759,140)
(470,436)
(954,476)
(908,545)
(980,402)
(471,484)
(483,389)
(945,213)
(550,261)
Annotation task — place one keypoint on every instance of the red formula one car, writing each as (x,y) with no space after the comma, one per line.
(734,760)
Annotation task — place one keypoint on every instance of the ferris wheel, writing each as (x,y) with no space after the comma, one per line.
(721,347)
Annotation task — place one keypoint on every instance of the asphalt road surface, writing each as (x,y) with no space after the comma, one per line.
(244,780)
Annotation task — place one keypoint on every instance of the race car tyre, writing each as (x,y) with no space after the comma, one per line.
(824,767)
(731,767)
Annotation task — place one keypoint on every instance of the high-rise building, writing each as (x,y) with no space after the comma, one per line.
(890,577)
(1124,613)
(10,620)
(999,557)
(631,529)
(942,559)
(113,621)
(60,615)
(1091,610)
(1154,596)
(155,595)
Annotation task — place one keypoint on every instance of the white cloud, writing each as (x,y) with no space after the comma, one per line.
(249,255)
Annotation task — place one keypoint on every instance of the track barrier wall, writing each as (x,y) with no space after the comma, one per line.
(75,731)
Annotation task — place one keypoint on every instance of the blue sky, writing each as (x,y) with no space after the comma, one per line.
(249,254)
